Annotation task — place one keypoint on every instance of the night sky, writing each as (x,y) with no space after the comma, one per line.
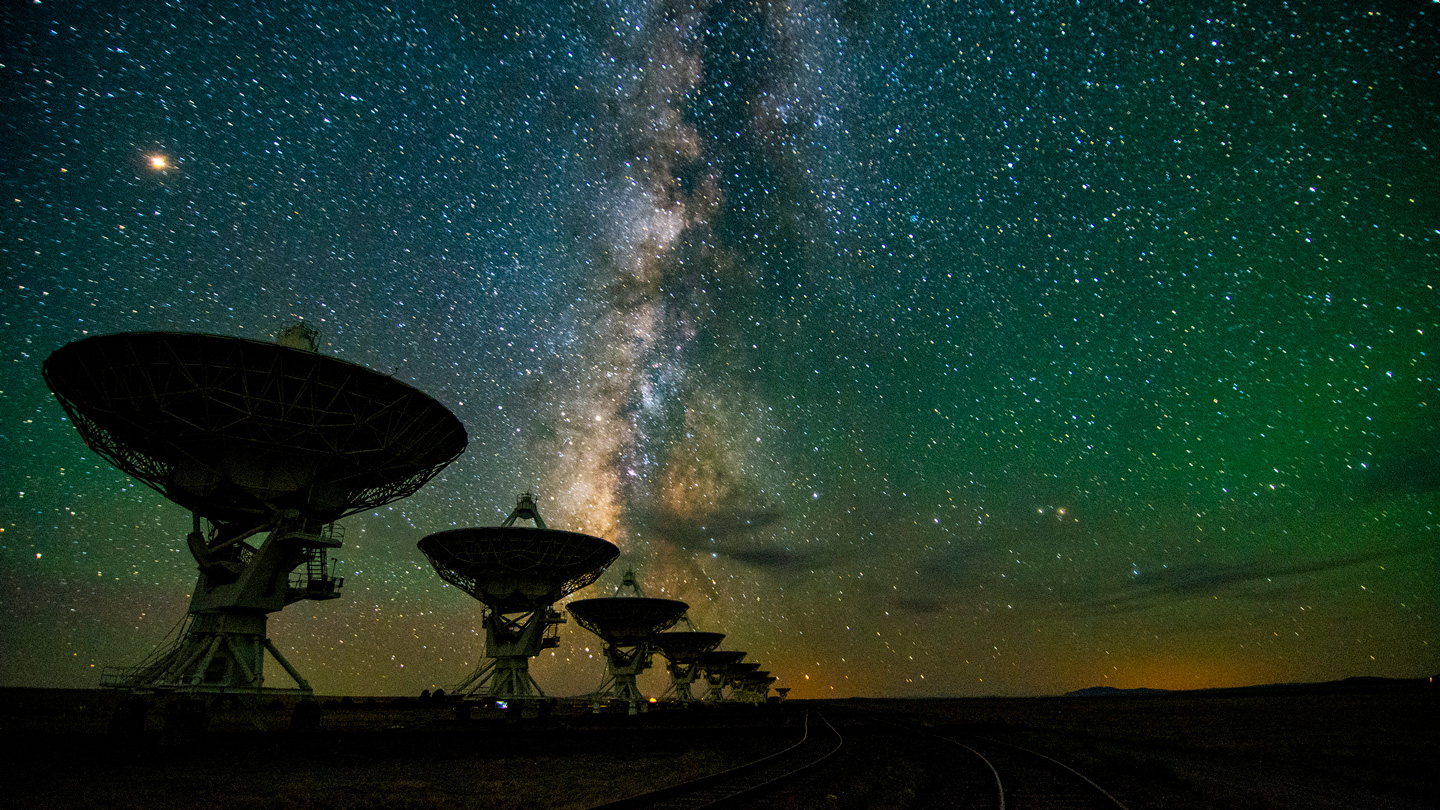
(923,348)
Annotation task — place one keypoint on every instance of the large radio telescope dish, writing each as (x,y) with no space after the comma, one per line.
(686,645)
(518,572)
(716,665)
(627,620)
(628,626)
(236,429)
(717,659)
(517,568)
(256,438)
(753,687)
(682,650)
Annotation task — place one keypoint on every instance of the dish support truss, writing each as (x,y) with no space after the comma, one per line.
(622,664)
(682,675)
(222,643)
(715,682)
(511,640)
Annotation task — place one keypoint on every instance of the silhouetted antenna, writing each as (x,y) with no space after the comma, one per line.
(518,572)
(257,439)
(627,625)
(683,650)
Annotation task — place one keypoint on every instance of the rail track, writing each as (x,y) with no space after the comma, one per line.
(949,771)
(740,784)
(1030,780)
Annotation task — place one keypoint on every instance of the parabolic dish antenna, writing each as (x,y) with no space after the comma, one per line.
(682,650)
(687,645)
(627,625)
(627,620)
(716,666)
(515,568)
(253,437)
(716,659)
(752,686)
(238,430)
(518,572)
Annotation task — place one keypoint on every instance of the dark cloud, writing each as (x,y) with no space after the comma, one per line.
(958,579)
(780,559)
(725,524)
(1408,471)
(945,580)
(1256,578)
(921,604)
(735,529)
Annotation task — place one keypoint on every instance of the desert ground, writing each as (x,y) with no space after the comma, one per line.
(1334,746)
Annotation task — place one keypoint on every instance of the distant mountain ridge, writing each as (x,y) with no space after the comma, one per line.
(1356,684)
(1092,691)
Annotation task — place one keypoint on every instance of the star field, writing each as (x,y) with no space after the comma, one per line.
(922,349)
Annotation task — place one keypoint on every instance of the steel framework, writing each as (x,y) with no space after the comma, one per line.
(254,439)
(518,572)
(627,626)
(683,650)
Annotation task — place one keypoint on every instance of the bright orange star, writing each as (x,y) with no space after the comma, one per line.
(159,162)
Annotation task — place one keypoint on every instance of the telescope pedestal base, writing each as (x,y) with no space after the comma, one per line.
(621,667)
(219,652)
(511,640)
(682,676)
(501,679)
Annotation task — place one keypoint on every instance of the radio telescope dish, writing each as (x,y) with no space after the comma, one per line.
(749,683)
(255,438)
(716,666)
(516,568)
(735,675)
(715,659)
(627,620)
(626,625)
(238,430)
(682,650)
(687,645)
(518,572)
